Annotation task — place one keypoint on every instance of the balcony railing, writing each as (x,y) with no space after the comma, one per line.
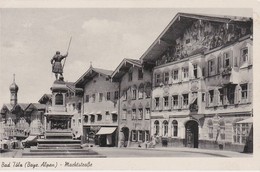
(227,71)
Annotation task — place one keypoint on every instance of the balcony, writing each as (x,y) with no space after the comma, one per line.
(194,108)
(230,75)
(227,71)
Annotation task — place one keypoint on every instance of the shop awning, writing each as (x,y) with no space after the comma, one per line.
(30,138)
(248,120)
(106,130)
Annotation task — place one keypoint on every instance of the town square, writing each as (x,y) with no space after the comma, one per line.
(106,83)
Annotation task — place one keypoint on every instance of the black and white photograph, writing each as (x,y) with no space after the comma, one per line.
(102,83)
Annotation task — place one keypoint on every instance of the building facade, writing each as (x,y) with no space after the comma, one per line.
(20,120)
(100,107)
(134,102)
(202,83)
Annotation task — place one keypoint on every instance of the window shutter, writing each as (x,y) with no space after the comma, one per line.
(216,65)
(225,96)
(215,98)
(250,56)
(180,101)
(241,58)
(143,136)
(219,63)
(236,95)
(153,104)
(250,92)
(160,103)
(180,75)
(207,99)
(170,77)
(206,71)
(171,102)
(231,58)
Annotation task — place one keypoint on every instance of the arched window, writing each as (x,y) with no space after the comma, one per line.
(59,99)
(222,129)
(174,128)
(157,127)
(210,129)
(141,91)
(165,128)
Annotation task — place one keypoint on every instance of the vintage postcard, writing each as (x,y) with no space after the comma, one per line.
(131,86)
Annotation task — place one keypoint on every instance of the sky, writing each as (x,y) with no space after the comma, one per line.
(30,37)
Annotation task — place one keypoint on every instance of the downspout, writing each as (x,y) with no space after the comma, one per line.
(119,115)
(151,103)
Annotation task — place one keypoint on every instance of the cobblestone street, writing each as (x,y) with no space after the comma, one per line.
(114,152)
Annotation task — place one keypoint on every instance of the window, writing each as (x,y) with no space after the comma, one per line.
(108,95)
(158,78)
(185,100)
(114,117)
(244,55)
(124,114)
(140,136)
(79,106)
(211,66)
(147,136)
(125,95)
(147,113)
(92,118)
(116,95)
(86,118)
(226,60)
(240,132)
(210,129)
(59,99)
(222,129)
(195,70)
(166,77)
(130,76)
(133,113)
(140,94)
(99,117)
(187,41)
(203,97)
(166,101)
(74,122)
(107,115)
(174,128)
(221,96)
(165,128)
(157,127)
(175,75)
(211,96)
(73,106)
(134,94)
(79,121)
(244,91)
(87,98)
(231,94)
(134,135)
(140,113)
(185,73)
(140,74)
(157,102)
(100,97)
(93,98)
(175,102)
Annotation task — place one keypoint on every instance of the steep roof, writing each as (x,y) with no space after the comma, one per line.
(124,67)
(90,74)
(45,98)
(177,27)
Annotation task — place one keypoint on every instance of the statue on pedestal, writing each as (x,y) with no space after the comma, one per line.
(57,67)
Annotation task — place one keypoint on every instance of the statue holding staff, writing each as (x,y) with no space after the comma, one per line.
(57,67)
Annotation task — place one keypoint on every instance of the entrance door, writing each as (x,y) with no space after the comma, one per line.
(192,134)
(125,130)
